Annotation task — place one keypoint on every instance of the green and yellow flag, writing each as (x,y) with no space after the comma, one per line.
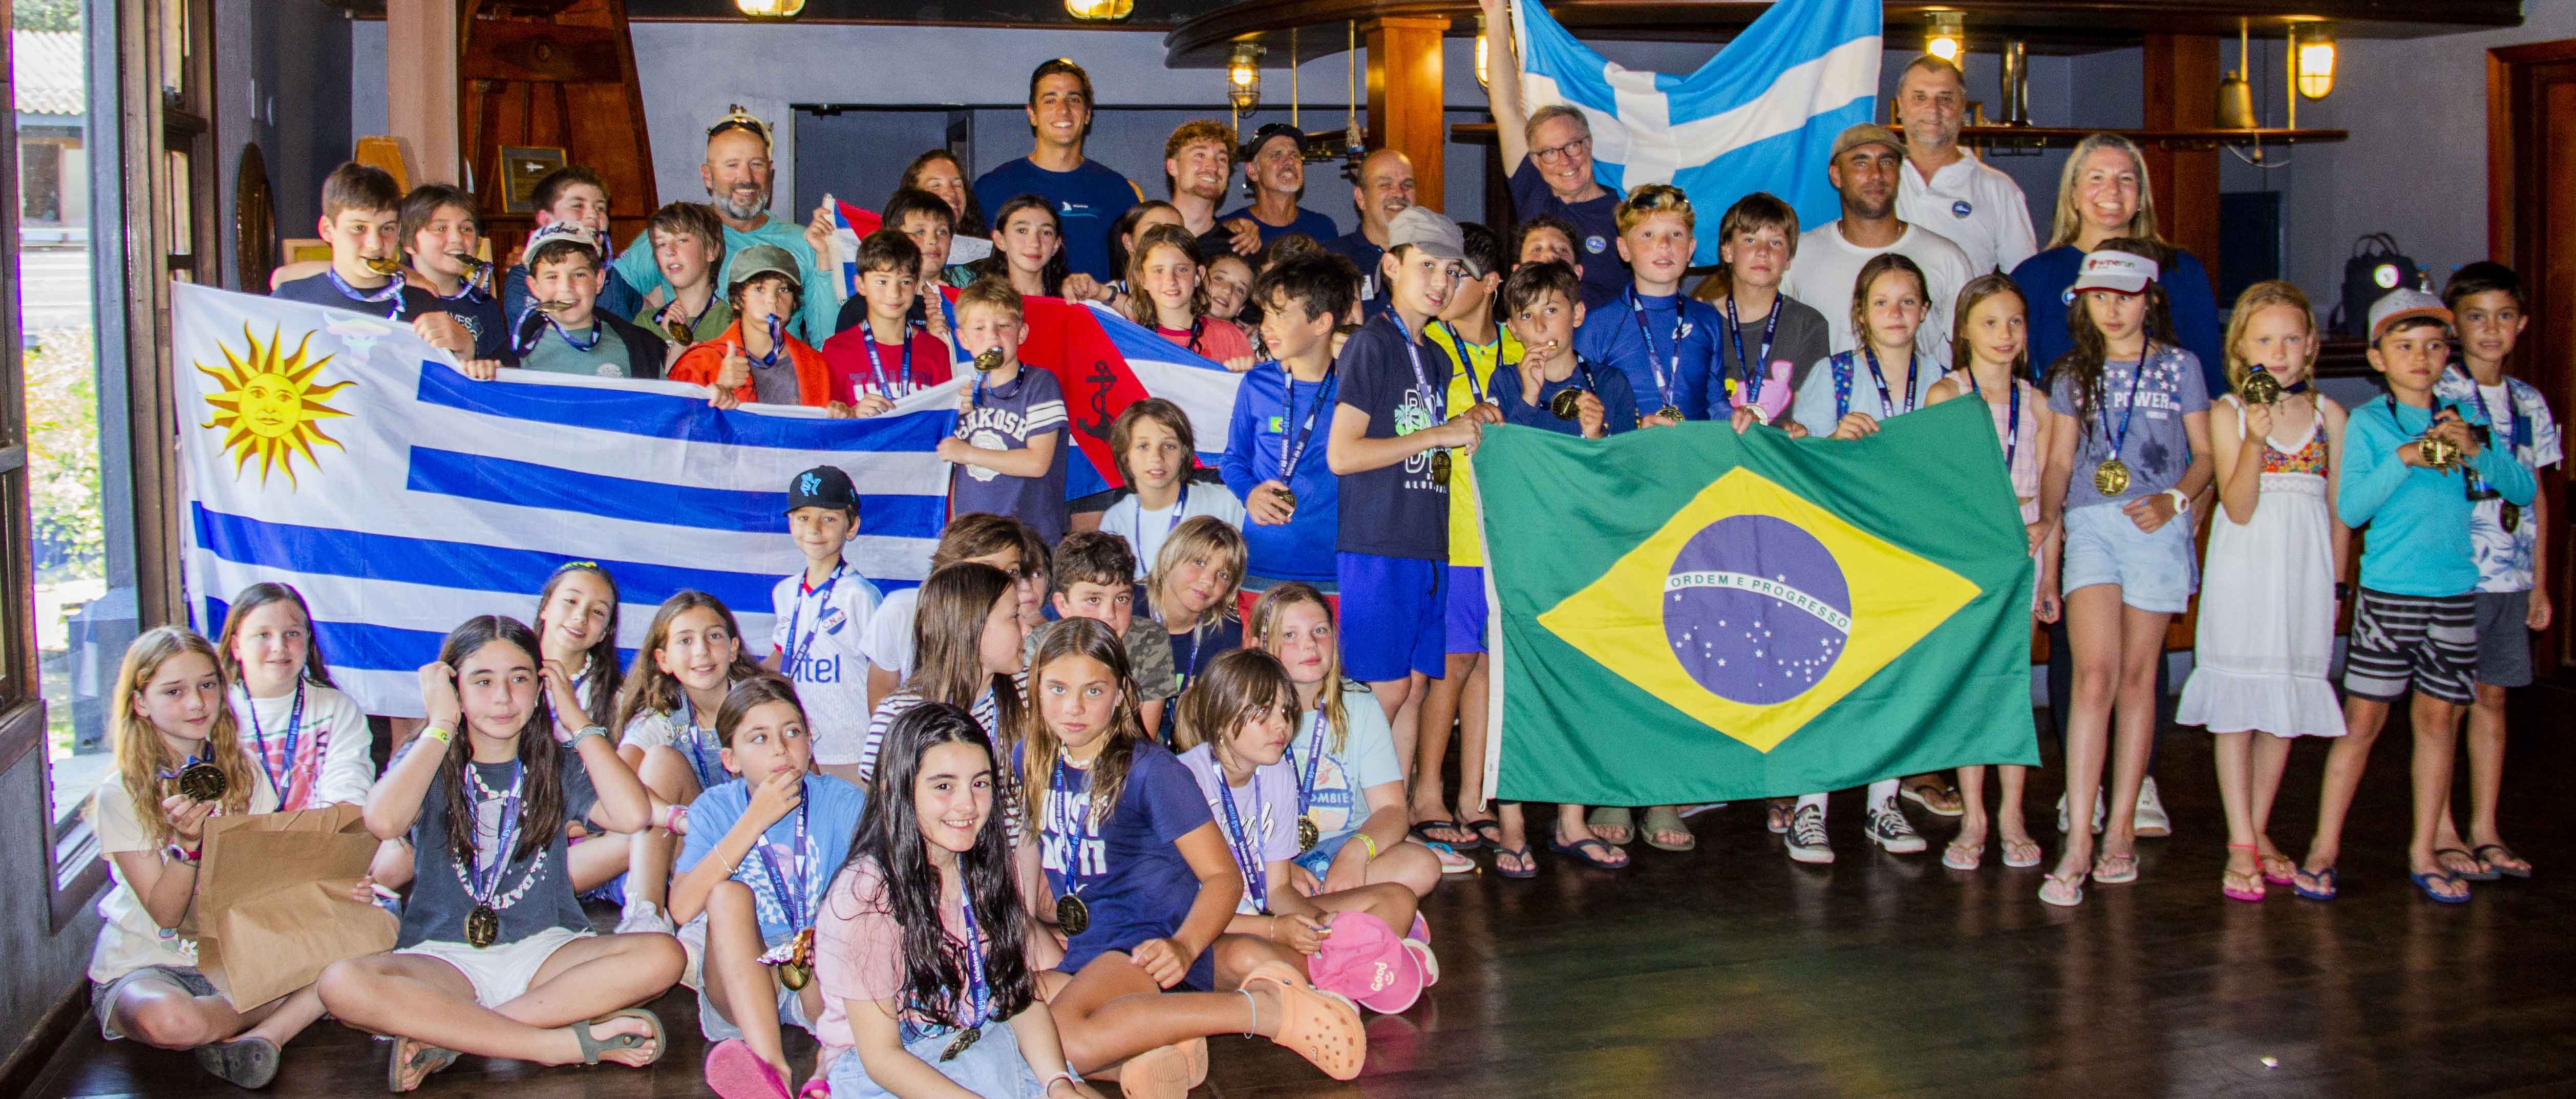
(1688,615)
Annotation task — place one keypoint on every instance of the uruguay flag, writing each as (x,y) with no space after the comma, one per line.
(1759,116)
(338,453)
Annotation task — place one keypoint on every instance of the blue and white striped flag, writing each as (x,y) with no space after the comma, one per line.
(339,453)
(1759,116)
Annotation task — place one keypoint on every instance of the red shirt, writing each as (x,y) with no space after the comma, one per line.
(853,377)
(1217,339)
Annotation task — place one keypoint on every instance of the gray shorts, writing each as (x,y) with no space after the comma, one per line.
(2504,638)
(101,997)
(712,1023)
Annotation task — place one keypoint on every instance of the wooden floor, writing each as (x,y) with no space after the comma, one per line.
(1731,971)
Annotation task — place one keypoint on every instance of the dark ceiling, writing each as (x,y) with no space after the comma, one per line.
(1149,14)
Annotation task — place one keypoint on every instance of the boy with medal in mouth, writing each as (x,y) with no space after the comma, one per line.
(2486,303)
(1664,342)
(362,220)
(759,856)
(1274,451)
(688,248)
(1391,439)
(563,330)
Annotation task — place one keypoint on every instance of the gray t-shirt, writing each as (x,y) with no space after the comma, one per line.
(532,894)
(556,354)
(775,383)
(2156,449)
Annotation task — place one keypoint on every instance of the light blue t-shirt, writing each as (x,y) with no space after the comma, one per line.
(2419,518)
(831,818)
(555,354)
(1338,796)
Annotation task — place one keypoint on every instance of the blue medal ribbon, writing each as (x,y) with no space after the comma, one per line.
(1314,759)
(2121,439)
(797,903)
(1753,368)
(2012,418)
(709,773)
(485,890)
(1432,400)
(1293,447)
(259,737)
(1256,874)
(794,657)
(876,366)
(1663,382)
(1467,360)
(391,292)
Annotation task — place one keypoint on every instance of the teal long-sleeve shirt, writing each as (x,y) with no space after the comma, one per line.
(2418,542)
(817,305)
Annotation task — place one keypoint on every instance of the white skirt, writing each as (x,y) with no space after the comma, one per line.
(2267,616)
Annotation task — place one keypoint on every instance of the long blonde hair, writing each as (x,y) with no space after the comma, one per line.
(142,756)
(1039,748)
(2069,224)
(1200,535)
(1266,613)
(2257,298)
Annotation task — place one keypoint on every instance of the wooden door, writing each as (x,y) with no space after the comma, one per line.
(2531,224)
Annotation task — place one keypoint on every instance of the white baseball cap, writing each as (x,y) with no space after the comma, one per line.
(2403,304)
(2119,272)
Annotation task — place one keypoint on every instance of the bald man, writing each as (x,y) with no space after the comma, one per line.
(737,174)
(1383,190)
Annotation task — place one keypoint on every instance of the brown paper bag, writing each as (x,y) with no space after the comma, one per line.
(273,908)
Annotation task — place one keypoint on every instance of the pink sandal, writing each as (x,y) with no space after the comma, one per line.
(735,1072)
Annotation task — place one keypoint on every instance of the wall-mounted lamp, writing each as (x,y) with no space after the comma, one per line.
(1945,35)
(770,9)
(1484,66)
(2312,53)
(1243,76)
(1099,9)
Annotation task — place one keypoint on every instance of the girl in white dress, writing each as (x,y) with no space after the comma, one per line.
(2267,617)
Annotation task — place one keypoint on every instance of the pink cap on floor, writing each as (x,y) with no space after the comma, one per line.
(1364,959)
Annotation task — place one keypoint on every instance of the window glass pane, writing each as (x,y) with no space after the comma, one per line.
(82,535)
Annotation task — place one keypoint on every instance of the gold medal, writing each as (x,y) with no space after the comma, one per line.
(385,265)
(965,1040)
(2509,517)
(1308,833)
(2438,452)
(482,926)
(679,330)
(1440,463)
(988,360)
(1072,915)
(2111,478)
(794,976)
(201,782)
(1566,404)
(2259,387)
(1670,412)
(1288,499)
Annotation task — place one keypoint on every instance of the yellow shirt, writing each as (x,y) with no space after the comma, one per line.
(1466,522)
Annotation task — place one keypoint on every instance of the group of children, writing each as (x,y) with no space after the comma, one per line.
(1003,832)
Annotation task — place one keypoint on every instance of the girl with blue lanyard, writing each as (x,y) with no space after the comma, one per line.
(1238,722)
(750,881)
(309,739)
(1886,373)
(1139,889)
(692,654)
(1191,591)
(1157,452)
(921,943)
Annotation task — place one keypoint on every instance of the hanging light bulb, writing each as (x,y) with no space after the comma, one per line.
(1484,73)
(1099,9)
(1243,76)
(770,9)
(1945,35)
(2313,50)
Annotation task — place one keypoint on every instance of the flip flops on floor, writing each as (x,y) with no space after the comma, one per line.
(1473,840)
(2503,855)
(411,1055)
(1585,850)
(243,1062)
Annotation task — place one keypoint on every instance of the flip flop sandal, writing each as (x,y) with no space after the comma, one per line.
(2012,847)
(2425,883)
(2325,880)
(1957,857)
(1775,818)
(243,1062)
(1528,860)
(1662,818)
(1451,862)
(1422,832)
(2064,891)
(1935,798)
(1612,816)
(2523,871)
(1578,850)
(2251,892)
(2284,877)
(423,1058)
(2123,869)
(1322,1028)
(593,1045)
(1488,830)
(733,1071)
(2465,875)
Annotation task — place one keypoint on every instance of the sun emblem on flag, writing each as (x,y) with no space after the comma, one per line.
(267,403)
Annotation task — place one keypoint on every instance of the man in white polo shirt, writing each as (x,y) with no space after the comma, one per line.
(1946,188)
(1867,159)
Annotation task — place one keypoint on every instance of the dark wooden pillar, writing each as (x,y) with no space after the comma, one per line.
(2182,94)
(1405,97)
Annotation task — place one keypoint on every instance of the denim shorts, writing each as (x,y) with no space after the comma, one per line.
(2155,571)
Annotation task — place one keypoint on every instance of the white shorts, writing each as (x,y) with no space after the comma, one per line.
(712,1023)
(502,972)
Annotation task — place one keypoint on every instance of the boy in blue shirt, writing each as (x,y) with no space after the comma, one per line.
(1665,343)
(1283,412)
(819,619)
(2415,621)
(1391,442)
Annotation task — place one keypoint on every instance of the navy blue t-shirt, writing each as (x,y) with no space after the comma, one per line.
(1192,652)
(482,318)
(1087,199)
(1125,868)
(1618,401)
(1307,221)
(1596,223)
(1364,254)
(317,290)
(1399,510)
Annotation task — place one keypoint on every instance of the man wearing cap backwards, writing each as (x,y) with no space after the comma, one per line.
(1866,162)
(1383,190)
(1274,167)
(737,174)
(1087,194)
(1946,187)
(1548,155)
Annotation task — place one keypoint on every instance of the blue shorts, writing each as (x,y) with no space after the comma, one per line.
(2155,572)
(1466,608)
(1320,858)
(1395,614)
(1201,977)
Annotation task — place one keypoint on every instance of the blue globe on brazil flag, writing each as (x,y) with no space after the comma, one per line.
(1756,609)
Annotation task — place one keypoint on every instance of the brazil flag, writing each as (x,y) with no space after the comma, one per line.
(1688,615)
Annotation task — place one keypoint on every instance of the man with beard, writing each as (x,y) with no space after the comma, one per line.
(1864,168)
(1274,167)
(737,175)
(1197,161)
(1384,188)
(1965,199)
(1087,194)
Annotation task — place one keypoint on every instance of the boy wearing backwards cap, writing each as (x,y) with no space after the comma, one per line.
(562,331)
(819,619)
(2411,462)
(756,361)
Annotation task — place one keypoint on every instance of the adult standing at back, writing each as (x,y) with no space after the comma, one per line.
(1274,168)
(737,174)
(2104,193)
(1946,188)
(1383,190)
(1866,162)
(1087,194)
(1548,155)
(1198,159)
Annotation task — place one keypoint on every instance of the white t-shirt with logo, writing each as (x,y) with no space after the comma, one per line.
(820,638)
(1976,206)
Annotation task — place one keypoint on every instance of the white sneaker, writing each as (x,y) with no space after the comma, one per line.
(1889,829)
(645,916)
(1807,836)
(2153,821)
(2098,810)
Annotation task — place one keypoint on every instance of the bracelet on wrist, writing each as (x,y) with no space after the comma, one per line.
(1367,844)
(593,729)
(1066,1077)
(438,733)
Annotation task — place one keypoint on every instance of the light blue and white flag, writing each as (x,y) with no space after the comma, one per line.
(1759,116)
(341,454)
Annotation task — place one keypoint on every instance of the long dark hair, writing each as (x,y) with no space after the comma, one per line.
(648,687)
(934,962)
(997,264)
(2089,352)
(541,816)
(253,598)
(1963,352)
(1038,745)
(599,693)
(948,639)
